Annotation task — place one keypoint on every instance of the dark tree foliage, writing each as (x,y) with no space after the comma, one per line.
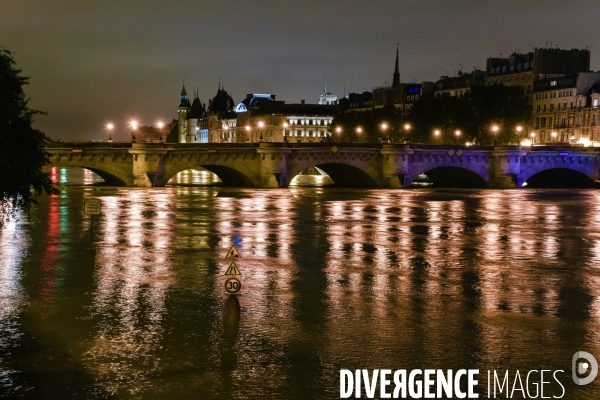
(473,114)
(173,136)
(370,123)
(22,154)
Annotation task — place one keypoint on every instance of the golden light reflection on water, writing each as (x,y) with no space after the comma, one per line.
(331,279)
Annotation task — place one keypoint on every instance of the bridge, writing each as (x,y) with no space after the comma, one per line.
(274,165)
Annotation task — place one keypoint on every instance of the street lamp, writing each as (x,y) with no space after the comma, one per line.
(338,130)
(134,124)
(554,134)
(457,133)
(532,138)
(226,128)
(261,125)
(248,133)
(160,126)
(110,127)
(384,127)
(406,129)
(495,129)
(285,125)
(519,129)
(359,130)
(436,133)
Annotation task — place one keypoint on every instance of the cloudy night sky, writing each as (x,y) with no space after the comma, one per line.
(91,62)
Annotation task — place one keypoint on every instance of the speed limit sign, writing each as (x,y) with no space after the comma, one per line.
(233,285)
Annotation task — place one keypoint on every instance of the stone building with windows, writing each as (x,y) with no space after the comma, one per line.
(457,86)
(524,69)
(275,121)
(566,109)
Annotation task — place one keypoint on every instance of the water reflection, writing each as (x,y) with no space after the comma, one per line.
(332,278)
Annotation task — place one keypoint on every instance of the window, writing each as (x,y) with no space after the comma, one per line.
(543,122)
(595,103)
(552,83)
(537,123)
(503,69)
(578,121)
(594,120)
(538,108)
(565,105)
(526,65)
(551,107)
(563,122)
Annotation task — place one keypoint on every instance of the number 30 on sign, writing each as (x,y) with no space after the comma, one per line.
(233,285)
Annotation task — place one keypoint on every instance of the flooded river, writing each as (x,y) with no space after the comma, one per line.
(132,305)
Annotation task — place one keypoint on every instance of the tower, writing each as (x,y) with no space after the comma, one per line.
(183,112)
(396,81)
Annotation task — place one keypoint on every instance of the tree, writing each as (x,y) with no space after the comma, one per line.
(473,114)
(22,154)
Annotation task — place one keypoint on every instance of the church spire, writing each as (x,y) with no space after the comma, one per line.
(396,81)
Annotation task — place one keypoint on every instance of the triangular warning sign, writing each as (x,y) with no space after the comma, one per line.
(233,269)
(233,253)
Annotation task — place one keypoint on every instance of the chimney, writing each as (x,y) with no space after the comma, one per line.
(302,102)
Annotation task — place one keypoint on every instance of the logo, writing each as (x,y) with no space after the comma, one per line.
(582,367)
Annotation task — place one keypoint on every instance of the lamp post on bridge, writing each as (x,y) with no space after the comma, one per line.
(519,129)
(495,129)
(384,127)
(457,133)
(110,127)
(134,125)
(406,129)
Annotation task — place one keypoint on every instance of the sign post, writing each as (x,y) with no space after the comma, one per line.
(92,207)
(232,284)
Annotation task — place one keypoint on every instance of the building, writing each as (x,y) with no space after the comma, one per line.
(275,121)
(356,102)
(200,124)
(525,69)
(460,84)
(566,109)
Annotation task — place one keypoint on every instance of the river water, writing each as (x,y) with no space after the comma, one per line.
(132,305)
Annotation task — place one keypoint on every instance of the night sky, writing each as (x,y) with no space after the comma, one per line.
(91,62)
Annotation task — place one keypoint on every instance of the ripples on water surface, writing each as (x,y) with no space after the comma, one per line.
(332,278)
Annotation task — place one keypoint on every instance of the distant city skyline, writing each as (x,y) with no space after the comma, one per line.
(92,64)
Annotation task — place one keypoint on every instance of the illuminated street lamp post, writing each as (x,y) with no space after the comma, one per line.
(160,126)
(285,126)
(406,129)
(225,134)
(384,127)
(248,133)
(495,129)
(110,127)
(134,126)
(436,133)
(338,130)
(457,133)
(554,134)
(261,125)
(519,129)
(532,138)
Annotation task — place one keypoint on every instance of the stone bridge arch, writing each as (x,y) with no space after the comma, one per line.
(115,171)
(476,164)
(533,165)
(363,170)
(233,170)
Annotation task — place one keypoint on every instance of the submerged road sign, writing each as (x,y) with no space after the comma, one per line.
(233,269)
(92,206)
(233,253)
(233,285)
